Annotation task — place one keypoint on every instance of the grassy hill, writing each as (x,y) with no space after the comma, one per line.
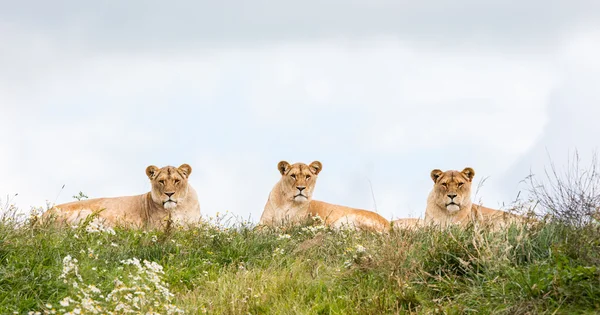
(546,268)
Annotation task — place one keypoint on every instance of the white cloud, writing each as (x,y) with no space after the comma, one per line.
(186,24)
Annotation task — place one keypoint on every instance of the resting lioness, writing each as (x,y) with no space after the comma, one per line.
(171,198)
(290,202)
(450,202)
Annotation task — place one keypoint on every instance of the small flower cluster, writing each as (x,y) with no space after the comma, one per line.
(317,219)
(35,213)
(142,291)
(278,251)
(283,236)
(360,248)
(70,267)
(97,226)
(313,229)
(357,254)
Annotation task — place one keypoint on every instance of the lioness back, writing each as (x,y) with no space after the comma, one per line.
(498,218)
(171,198)
(341,216)
(290,202)
(408,223)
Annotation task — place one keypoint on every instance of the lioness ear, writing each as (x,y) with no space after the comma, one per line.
(283,167)
(151,171)
(435,174)
(316,167)
(186,169)
(469,173)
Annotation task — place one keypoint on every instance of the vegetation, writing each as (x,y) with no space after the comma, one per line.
(546,267)
(307,270)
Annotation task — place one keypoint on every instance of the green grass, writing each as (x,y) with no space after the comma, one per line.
(542,269)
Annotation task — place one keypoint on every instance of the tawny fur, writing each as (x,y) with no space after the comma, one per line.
(450,202)
(149,210)
(408,223)
(289,203)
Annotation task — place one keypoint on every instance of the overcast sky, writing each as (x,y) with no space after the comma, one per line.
(381,92)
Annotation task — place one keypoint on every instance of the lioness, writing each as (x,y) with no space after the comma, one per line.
(290,202)
(171,198)
(450,202)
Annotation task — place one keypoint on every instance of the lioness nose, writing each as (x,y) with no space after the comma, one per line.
(451,196)
(169,194)
(301,188)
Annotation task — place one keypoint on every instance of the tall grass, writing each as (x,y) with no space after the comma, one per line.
(546,267)
(240,270)
(572,195)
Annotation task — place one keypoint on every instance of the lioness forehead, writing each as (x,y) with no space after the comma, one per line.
(299,168)
(453,177)
(168,172)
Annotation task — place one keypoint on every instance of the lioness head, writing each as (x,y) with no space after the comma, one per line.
(298,180)
(169,184)
(452,189)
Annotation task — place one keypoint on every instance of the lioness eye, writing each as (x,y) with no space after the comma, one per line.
(307,177)
(162,182)
(444,184)
(177,181)
(460,185)
(293,176)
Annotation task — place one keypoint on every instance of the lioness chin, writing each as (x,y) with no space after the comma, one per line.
(449,202)
(290,202)
(171,199)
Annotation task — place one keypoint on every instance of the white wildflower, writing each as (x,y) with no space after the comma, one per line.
(153,266)
(141,291)
(65,302)
(314,229)
(97,226)
(317,218)
(94,289)
(360,249)
(69,265)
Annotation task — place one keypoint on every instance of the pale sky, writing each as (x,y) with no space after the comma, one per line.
(381,92)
